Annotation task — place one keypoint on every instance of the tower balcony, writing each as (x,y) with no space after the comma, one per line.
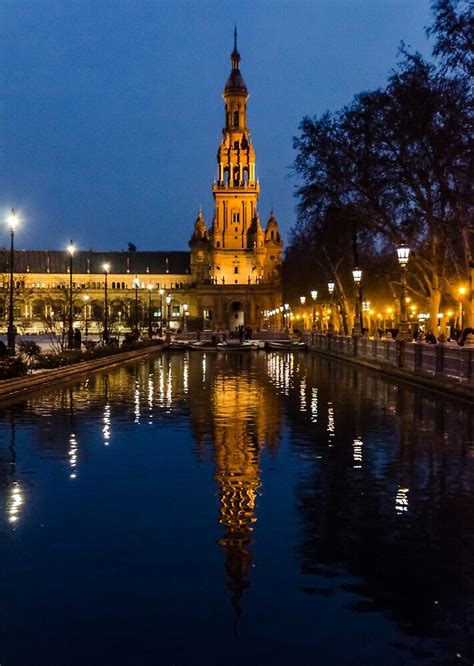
(221,186)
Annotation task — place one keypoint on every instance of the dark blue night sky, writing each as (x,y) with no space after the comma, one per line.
(111,111)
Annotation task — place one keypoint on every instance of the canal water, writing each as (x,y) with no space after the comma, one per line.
(236,508)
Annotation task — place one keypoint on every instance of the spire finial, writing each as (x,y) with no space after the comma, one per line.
(235,37)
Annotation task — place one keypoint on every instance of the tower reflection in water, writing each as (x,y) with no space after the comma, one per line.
(378,470)
(240,413)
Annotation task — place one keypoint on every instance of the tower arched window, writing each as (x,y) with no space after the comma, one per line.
(236,118)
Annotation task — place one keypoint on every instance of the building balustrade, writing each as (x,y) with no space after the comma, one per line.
(447,361)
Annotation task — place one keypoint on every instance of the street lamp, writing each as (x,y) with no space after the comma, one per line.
(403,253)
(168,314)
(366,310)
(462,293)
(314,296)
(11,332)
(161,292)
(185,314)
(70,332)
(86,300)
(303,301)
(106,268)
(136,284)
(331,286)
(150,324)
(358,324)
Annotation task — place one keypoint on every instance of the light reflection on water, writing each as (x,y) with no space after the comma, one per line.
(238,498)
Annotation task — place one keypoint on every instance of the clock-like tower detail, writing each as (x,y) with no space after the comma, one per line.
(240,251)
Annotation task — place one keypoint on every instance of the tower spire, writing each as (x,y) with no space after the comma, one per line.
(235,39)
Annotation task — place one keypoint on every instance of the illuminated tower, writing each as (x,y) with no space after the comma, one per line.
(238,242)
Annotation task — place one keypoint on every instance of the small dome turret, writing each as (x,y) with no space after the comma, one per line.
(235,82)
(200,231)
(272,233)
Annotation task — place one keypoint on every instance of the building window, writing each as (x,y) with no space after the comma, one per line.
(236,217)
(236,122)
(218,244)
(236,270)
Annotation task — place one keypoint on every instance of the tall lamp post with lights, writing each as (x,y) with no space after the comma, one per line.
(150,320)
(185,317)
(403,253)
(358,323)
(314,296)
(331,286)
(168,313)
(136,284)
(11,331)
(462,293)
(70,331)
(106,268)
(303,301)
(86,320)
(161,292)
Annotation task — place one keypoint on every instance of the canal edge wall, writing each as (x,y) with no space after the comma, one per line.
(445,387)
(11,388)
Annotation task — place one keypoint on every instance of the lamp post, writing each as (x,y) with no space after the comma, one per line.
(150,321)
(366,310)
(358,323)
(185,314)
(403,253)
(168,314)
(70,332)
(11,332)
(136,284)
(106,268)
(462,293)
(86,300)
(314,296)
(303,301)
(331,286)
(161,292)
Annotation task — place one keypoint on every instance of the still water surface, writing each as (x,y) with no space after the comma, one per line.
(255,508)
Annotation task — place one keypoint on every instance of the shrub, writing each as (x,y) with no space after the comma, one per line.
(12,366)
(52,360)
(29,351)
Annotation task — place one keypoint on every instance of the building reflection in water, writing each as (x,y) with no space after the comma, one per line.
(357,452)
(385,467)
(390,504)
(240,414)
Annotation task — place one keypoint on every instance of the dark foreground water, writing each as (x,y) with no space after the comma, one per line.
(224,509)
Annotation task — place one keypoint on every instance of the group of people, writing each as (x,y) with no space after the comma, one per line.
(456,336)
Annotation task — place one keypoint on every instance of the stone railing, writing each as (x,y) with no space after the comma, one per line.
(440,361)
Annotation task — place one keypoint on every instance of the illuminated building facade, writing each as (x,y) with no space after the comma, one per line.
(229,277)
